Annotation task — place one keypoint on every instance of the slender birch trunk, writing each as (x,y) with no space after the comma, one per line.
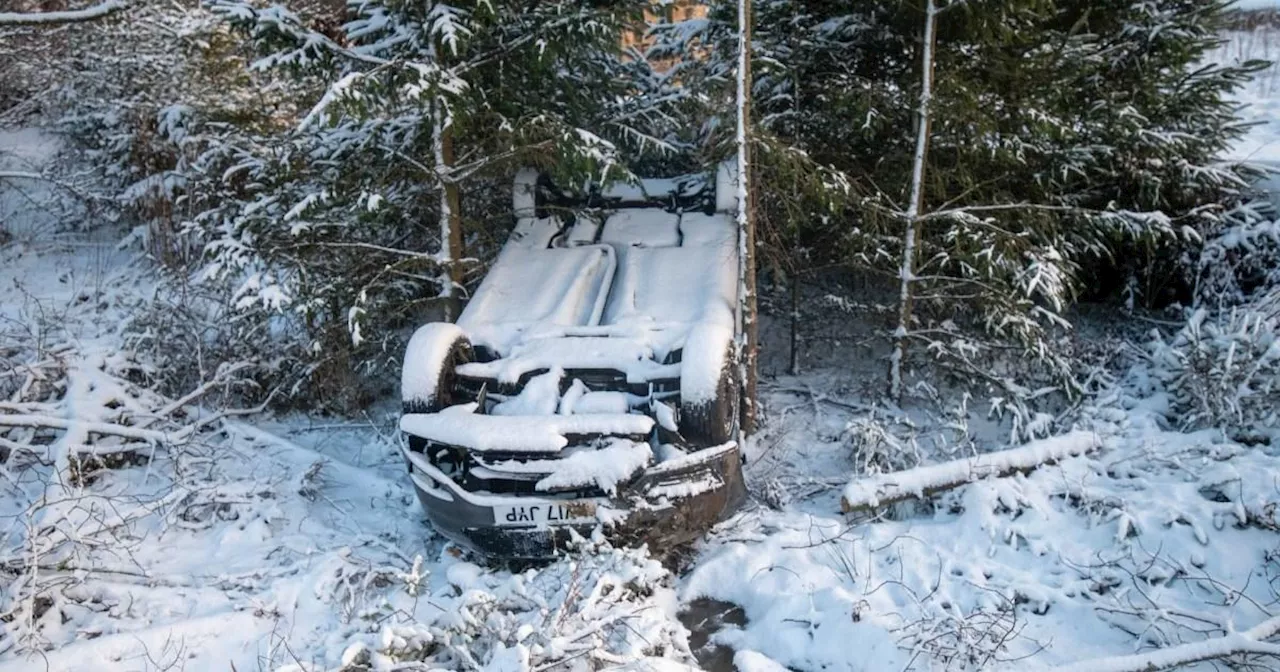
(747,313)
(914,206)
(450,211)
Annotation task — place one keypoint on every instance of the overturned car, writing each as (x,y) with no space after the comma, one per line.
(590,382)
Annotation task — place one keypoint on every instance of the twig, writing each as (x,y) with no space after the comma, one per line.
(219,379)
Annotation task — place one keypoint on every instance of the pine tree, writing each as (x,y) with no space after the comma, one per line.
(1063,136)
(377,207)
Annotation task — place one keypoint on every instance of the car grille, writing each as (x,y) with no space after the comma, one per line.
(474,474)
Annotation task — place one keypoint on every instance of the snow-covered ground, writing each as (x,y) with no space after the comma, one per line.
(295,543)
(1260,98)
(142,533)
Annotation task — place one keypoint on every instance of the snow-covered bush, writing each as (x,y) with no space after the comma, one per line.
(1223,370)
(190,332)
(878,446)
(603,606)
(1241,258)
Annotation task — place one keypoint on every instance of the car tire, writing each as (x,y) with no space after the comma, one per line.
(713,421)
(436,350)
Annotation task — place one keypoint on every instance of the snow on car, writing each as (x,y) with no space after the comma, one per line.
(590,381)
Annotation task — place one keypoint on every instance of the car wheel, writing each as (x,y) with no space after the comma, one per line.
(429,374)
(710,420)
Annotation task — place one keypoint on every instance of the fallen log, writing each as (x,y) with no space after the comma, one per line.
(1234,643)
(52,18)
(876,491)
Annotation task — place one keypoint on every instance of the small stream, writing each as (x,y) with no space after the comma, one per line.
(704,617)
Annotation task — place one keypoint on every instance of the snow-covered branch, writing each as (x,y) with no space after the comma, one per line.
(1236,643)
(124,431)
(867,493)
(50,18)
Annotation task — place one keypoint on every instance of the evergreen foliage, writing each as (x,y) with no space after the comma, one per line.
(390,191)
(1073,146)
(313,164)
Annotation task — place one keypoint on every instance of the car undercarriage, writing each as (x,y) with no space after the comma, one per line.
(590,384)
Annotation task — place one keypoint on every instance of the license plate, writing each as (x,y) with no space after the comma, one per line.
(544,514)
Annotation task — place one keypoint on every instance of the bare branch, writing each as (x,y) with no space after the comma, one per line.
(92,427)
(75,190)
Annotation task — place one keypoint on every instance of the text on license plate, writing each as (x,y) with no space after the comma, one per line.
(545,513)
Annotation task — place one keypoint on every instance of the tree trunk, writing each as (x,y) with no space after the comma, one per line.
(914,207)
(450,214)
(748,315)
(793,366)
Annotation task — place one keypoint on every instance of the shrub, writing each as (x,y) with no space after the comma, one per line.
(1223,370)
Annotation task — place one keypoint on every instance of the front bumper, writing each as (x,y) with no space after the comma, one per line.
(669,503)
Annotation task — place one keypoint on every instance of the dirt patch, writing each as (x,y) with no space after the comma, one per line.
(704,617)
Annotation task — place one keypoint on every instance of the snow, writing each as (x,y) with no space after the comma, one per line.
(703,363)
(292,543)
(423,357)
(603,402)
(1259,100)
(296,543)
(571,396)
(585,230)
(625,229)
(524,201)
(633,358)
(673,284)
(535,233)
(666,416)
(528,287)
(540,396)
(663,278)
(746,660)
(28,153)
(457,426)
(678,459)
(727,187)
(1067,559)
(614,462)
(683,489)
(797,615)
(715,231)
(648,276)
(557,299)
(579,399)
